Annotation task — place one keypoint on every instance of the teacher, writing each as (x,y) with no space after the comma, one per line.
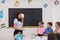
(18,23)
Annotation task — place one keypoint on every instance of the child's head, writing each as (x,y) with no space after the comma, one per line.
(49,24)
(41,24)
(52,36)
(57,24)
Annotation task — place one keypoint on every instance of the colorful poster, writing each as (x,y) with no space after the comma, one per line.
(1,13)
(45,5)
(16,3)
(3,1)
(29,1)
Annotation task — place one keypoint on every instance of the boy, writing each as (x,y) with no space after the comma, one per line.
(18,36)
(48,29)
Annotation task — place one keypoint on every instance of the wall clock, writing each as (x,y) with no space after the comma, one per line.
(56,2)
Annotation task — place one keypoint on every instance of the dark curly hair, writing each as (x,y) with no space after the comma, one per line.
(17,16)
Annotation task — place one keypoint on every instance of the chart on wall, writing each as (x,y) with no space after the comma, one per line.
(32,15)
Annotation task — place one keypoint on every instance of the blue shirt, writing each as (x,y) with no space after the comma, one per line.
(48,30)
(18,37)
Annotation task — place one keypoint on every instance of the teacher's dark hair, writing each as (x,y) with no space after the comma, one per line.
(17,16)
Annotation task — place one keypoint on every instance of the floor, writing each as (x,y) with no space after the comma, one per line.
(7,34)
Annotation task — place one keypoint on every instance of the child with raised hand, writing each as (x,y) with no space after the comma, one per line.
(49,28)
(40,29)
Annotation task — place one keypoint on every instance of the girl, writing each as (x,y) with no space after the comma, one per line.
(57,26)
(40,29)
(57,30)
(18,23)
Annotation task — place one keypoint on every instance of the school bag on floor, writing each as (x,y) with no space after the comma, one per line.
(18,37)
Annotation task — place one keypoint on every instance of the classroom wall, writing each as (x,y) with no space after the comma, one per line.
(56,12)
(50,12)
